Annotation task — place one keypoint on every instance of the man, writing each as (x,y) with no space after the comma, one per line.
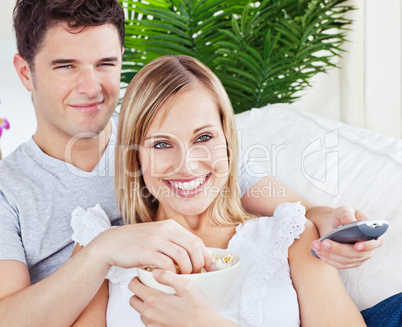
(70,55)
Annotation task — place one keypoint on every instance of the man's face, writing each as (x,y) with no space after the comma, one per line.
(75,81)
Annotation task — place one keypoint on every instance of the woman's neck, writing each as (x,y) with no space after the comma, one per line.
(201,225)
(193,223)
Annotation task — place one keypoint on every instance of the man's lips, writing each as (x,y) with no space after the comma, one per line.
(188,186)
(88,107)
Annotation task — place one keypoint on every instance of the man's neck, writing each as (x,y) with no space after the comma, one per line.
(83,153)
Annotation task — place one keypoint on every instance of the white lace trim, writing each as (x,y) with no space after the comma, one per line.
(87,224)
(262,256)
(121,276)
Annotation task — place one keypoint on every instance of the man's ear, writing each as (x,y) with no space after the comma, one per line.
(23,71)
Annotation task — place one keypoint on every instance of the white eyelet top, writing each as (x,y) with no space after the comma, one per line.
(263,291)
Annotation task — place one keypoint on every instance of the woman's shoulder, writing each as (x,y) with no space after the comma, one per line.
(286,216)
(277,232)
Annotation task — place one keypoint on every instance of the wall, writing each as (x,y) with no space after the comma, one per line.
(16,103)
(365,92)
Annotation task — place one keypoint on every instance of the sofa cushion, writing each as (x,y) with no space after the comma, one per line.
(331,163)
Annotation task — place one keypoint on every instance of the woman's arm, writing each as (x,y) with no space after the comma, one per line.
(264,196)
(322,297)
(95,312)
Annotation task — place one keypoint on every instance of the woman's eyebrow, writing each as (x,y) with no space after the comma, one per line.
(158,136)
(203,127)
(168,136)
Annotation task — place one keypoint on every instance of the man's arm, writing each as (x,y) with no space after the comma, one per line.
(95,312)
(54,301)
(265,195)
(58,299)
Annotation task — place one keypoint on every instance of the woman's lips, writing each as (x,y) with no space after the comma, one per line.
(188,188)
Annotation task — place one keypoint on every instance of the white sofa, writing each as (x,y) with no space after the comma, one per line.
(330,163)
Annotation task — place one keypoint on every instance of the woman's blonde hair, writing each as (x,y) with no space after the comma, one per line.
(148,90)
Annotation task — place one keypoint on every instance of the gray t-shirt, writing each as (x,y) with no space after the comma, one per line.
(38,194)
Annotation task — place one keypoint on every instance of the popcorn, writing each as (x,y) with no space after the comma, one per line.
(220,263)
(226,262)
(152,268)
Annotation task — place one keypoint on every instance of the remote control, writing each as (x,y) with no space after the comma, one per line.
(356,231)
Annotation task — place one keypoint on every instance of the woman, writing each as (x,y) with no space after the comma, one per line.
(179,161)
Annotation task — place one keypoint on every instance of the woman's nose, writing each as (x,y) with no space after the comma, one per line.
(193,158)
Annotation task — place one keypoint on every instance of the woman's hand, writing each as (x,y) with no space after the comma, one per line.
(338,255)
(161,244)
(188,307)
(344,256)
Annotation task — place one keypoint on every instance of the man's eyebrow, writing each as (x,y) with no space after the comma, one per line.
(66,61)
(109,59)
(56,62)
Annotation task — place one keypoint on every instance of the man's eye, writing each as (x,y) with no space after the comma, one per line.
(204,138)
(64,67)
(162,145)
(107,64)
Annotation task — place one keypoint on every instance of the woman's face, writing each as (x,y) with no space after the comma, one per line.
(184,154)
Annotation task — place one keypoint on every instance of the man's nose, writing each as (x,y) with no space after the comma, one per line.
(88,83)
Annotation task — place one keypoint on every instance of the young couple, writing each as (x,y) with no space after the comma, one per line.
(69,57)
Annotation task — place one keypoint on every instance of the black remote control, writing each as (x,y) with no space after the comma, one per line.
(356,231)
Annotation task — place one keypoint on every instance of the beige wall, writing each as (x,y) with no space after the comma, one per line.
(16,104)
(6,9)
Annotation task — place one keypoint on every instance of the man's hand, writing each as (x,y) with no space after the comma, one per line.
(343,256)
(161,244)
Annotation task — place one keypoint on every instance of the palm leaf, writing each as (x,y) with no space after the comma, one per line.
(263,51)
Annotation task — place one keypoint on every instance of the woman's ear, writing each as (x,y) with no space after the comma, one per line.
(23,71)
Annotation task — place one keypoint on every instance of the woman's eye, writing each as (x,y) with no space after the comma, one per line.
(162,145)
(203,138)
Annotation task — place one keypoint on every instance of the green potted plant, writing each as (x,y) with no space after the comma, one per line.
(263,51)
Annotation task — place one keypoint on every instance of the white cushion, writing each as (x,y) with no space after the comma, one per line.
(331,163)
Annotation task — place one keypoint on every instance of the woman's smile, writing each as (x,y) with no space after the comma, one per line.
(188,187)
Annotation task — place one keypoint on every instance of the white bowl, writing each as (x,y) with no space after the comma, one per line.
(216,285)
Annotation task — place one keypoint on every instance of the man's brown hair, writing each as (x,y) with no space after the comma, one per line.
(33,18)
